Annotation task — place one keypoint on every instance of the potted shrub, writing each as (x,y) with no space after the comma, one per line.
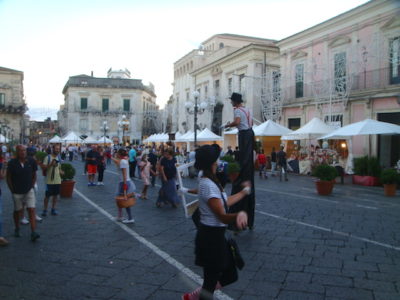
(233,170)
(326,178)
(67,182)
(366,171)
(390,178)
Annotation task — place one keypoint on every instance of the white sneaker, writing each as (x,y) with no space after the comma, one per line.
(39,219)
(24,221)
(130,221)
(119,219)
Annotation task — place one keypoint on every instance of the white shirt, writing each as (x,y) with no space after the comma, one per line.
(123,164)
(207,190)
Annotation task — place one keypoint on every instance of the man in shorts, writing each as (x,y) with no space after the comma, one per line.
(92,158)
(21,178)
(52,165)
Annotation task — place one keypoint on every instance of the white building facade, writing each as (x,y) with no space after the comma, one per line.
(223,64)
(89,101)
(13,123)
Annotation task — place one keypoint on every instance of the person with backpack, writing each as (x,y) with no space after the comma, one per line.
(51,167)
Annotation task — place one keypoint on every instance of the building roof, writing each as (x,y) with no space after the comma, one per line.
(9,70)
(240,37)
(86,81)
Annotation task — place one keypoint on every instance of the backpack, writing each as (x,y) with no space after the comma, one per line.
(44,171)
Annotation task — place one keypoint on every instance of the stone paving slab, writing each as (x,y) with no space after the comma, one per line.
(304,246)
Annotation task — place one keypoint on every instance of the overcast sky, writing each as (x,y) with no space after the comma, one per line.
(50,40)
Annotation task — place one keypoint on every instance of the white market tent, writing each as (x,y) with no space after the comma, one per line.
(270,128)
(55,140)
(208,136)
(3,139)
(157,138)
(314,129)
(366,127)
(104,140)
(72,137)
(162,137)
(90,140)
(149,139)
(178,135)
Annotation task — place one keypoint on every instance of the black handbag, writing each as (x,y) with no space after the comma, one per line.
(196,217)
(237,257)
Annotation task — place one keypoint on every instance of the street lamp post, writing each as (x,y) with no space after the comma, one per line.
(193,108)
(123,124)
(104,127)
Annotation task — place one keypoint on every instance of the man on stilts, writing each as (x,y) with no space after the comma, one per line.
(243,121)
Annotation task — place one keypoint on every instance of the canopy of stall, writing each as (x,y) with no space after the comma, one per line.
(208,136)
(270,128)
(366,127)
(314,129)
(72,138)
(54,140)
(104,140)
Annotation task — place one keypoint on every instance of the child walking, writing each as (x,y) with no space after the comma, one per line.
(145,169)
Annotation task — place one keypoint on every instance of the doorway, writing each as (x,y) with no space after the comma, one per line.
(389,145)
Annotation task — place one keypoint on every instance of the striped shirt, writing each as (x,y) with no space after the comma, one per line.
(246,117)
(207,190)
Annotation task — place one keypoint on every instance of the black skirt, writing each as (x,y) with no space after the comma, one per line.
(211,247)
(212,253)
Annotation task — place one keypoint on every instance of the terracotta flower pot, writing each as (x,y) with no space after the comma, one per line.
(390,189)
(324,187)
(67,188)
(366,180)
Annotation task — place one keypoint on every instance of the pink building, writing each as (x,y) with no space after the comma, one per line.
(345,70)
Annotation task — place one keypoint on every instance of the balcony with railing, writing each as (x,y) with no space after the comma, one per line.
(98,111)
(340,88)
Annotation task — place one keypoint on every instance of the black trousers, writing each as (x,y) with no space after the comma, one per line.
(100,171)
(132,168)
(246,161)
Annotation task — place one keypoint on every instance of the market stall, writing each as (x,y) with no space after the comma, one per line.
(305,151)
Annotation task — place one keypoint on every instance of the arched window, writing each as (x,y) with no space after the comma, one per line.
(221,45)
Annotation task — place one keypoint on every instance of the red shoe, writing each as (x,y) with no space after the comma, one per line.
(193,295)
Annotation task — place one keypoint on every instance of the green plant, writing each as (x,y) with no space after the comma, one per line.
(325,172)
(233,167)
(374,168)
(367,166)
(390,176)
(228,158)
(40,155)
(68,171)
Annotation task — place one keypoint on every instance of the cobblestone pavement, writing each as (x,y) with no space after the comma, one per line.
(303,246)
